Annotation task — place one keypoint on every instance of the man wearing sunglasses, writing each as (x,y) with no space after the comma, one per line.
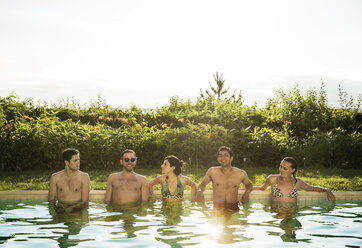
(127,187)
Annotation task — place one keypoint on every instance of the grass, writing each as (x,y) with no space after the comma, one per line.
(335,179)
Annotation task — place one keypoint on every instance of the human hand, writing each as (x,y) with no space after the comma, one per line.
(245,197)
(200,196)
(330,196)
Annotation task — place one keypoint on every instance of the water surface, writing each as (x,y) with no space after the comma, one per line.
(30,223)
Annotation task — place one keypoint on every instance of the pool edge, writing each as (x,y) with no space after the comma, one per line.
(257,194)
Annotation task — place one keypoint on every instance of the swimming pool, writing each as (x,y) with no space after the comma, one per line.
(29,223)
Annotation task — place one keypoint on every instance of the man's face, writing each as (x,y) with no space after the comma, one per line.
(224,159)
(74,162)
(128,161)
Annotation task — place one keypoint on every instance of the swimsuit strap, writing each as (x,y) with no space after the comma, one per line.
(179,184)
(294,192)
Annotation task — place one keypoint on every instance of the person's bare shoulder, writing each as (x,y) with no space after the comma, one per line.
(272,178)
(58,174)
(299,181)
(184,177)
(237,171)
(84,175)
(139,176)
(215,169)
(163,177)
(113,176)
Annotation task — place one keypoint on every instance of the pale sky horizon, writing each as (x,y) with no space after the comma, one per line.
(144,52)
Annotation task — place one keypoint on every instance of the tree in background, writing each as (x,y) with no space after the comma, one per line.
(221,90)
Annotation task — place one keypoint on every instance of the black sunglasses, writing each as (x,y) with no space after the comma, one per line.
(127,159)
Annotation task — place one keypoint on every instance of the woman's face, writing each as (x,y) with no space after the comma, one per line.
(166,167)
(286,169)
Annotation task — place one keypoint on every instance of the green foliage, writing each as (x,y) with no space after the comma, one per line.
(292,124)
(336,148)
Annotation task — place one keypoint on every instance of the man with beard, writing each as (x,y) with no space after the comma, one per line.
(225,181)
(69,188)
(127,187)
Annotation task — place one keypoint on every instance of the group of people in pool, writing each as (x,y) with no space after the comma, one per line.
(69,188)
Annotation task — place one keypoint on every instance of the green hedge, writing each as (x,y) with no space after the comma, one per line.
(291,124)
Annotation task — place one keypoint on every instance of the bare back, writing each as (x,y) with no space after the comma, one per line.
(126,188)
(226,185)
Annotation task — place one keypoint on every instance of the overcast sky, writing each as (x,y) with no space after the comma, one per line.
(143,52)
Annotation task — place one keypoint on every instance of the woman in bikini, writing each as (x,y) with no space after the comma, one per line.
(172,182)
(284,186)
(284,194)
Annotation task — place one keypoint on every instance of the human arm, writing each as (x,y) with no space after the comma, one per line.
(266,184)
(157,180)
(144,190)
(248,188)
(52,190)
(108,195)
(192,184)
(202,186)
(85,188)
(305,186)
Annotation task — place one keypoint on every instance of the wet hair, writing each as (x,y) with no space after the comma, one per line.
(127,151)
(225,148)
(293,164)
(175,162)
(68,153)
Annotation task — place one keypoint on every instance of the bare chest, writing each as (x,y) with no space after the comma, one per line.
(126,184)
(226,182)
(69,184)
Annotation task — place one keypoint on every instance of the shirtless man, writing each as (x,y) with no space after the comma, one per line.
(127,187)
(225,181)
(69,188)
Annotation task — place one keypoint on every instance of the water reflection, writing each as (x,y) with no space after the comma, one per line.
(289,224)
(74,222)
(180,225)
(289,212)
(129,215)
(228,223)
(172,213)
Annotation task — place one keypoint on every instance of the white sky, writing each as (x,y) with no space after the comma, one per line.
(143,52)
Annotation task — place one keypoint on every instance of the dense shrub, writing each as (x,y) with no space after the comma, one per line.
(291,124)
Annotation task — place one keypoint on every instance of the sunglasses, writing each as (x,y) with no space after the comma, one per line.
(127,159)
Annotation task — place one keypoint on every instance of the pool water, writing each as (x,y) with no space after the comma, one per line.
(29,223)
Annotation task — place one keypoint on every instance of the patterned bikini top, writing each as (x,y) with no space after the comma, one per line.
(276,192)
(179,191)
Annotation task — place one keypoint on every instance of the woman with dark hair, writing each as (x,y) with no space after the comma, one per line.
(284,186)
(172,182)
